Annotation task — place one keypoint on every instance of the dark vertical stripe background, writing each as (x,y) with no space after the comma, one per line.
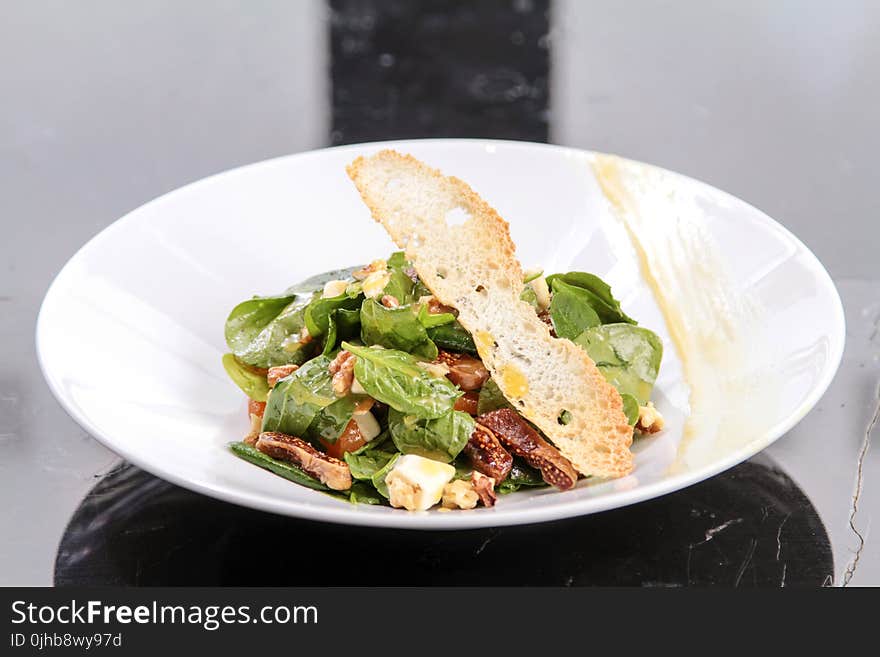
(436,68)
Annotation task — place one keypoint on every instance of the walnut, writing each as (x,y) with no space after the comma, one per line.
(342,369)
(484,487)
(401,493)
(461,494)
(650,420)
(277,373)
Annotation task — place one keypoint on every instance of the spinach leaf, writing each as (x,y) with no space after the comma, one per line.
(629,356)
(378,478)
(295,400)
(330,337)
(463,468)
(440,439)
(420,290)
(630,408)
(491,398)
(598,294)
(363,493)
(375,443)
(364,465)
(520,475)
(343,324)
(359,493)
(570,310)
(348,323)
(263,331)
(400,286)
(331,420)
(317,313)
(252,383)
(282,468)
(397,260)
(453,337)
(393,377)
(395,328)
(430,320)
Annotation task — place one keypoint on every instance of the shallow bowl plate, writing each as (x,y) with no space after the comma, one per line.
(130,334)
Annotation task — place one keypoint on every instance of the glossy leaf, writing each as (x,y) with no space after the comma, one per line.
(343,324)
(430,320)
(331,420)
(399,286)
(252,383)
(570,310)
(629,357)
(317,313)
(393,377)
(264,331)
(598,295)
(395,328)
(362,492)
(630,408)
(378,478)
(281,468)
(453,337)
(367,463)
(296,400)
(491,398)
(520,475)
(440,439)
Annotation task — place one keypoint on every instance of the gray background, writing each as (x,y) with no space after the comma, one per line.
(106,105)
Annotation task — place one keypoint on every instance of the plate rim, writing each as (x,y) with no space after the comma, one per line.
(480,518)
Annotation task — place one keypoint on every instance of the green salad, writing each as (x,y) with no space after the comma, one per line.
(363,385)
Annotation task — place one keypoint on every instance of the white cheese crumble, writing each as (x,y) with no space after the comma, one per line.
(416,483)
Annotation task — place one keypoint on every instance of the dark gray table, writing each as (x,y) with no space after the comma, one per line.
(107,105)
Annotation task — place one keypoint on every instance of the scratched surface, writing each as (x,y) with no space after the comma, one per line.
(97,119)
(751,526)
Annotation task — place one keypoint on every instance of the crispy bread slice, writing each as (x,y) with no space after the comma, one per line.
(462,250)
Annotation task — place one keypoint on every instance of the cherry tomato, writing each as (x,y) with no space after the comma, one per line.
(350,440)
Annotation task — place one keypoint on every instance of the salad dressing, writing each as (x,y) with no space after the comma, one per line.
(710,321)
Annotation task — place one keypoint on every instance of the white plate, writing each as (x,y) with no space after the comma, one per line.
(130,333)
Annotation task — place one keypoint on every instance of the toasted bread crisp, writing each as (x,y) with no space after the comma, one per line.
(462,251)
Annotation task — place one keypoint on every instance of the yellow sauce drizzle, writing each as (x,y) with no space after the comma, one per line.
(513,382)
(707,321)
(484,341)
